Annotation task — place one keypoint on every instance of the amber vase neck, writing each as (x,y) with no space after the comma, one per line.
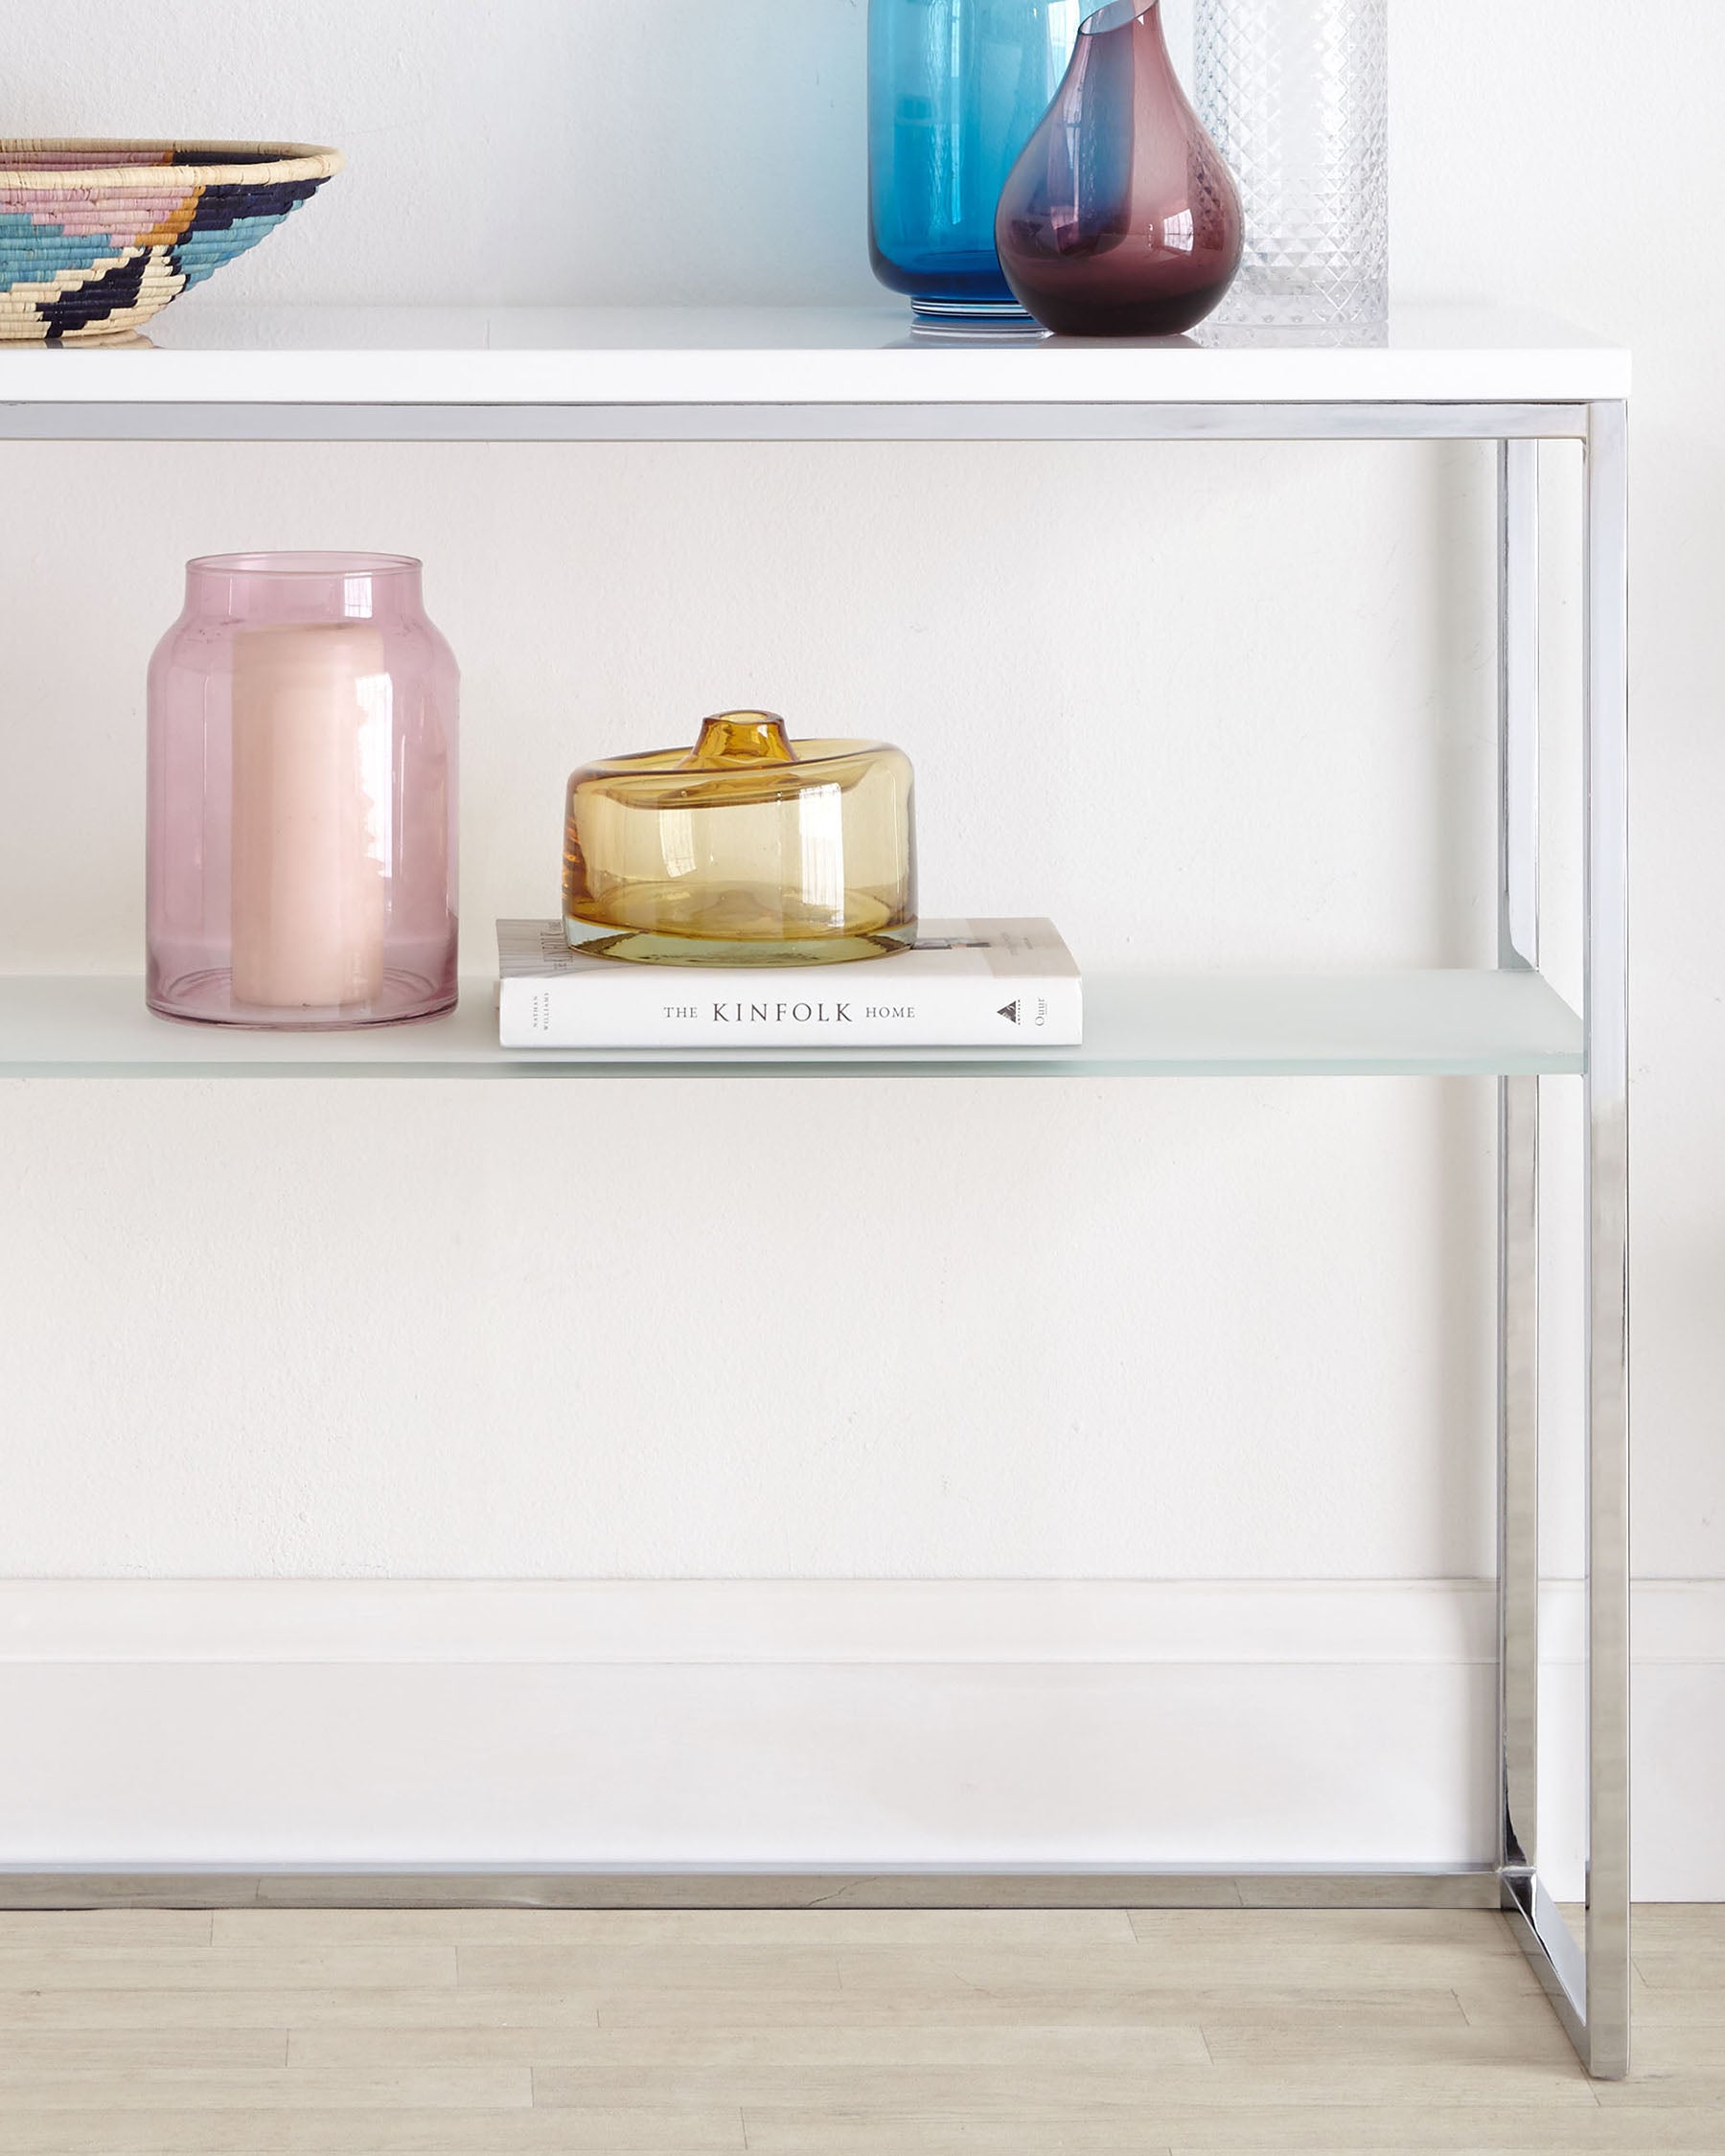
(734,739)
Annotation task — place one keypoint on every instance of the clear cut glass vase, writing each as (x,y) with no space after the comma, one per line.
(1296,94)
(301,837)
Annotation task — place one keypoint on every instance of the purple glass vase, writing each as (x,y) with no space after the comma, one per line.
(1120,219)
(302,796)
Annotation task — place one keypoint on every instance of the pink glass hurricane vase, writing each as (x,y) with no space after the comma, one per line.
(302,796)
(1120,219)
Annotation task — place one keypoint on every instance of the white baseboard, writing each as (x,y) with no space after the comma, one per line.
(848,1725)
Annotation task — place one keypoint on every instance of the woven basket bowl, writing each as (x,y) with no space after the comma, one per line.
(97,237)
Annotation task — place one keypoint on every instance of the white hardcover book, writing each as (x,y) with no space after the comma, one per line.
(1006,984)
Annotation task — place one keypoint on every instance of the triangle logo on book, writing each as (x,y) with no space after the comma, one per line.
(1008,1011)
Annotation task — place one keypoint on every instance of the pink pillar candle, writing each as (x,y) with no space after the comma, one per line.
(310,824)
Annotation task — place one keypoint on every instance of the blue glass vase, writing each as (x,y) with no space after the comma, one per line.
(955,90)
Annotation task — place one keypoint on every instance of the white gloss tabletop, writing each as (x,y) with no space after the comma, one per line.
(201,351)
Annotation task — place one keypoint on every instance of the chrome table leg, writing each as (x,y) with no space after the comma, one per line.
(1518,1165)
(1607,1084)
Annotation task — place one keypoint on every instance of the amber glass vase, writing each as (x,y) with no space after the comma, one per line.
(1120,219)
(749,849)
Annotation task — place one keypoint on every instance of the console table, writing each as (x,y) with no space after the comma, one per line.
(814,374)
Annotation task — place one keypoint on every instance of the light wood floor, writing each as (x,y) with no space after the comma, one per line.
(475,2031)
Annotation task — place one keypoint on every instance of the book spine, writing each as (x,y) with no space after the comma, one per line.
(1003,1013)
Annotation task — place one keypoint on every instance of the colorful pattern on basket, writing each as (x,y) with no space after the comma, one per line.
(87,263)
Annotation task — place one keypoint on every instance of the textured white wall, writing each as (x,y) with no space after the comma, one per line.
(1208,706)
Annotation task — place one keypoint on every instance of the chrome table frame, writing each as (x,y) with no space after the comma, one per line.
(1589,1986)
(1589,1989)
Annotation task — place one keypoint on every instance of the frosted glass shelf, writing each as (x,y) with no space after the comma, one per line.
(203,352)
(1412,1024)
